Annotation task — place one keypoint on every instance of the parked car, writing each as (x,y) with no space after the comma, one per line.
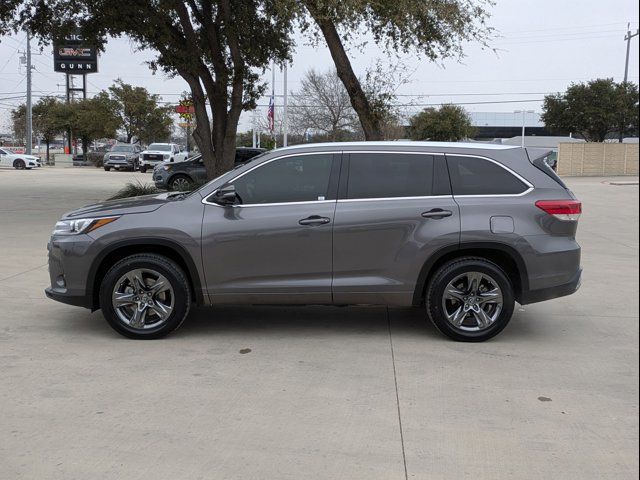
(181,176)
(461,230)
(123,156)
(157,153)
(19,161)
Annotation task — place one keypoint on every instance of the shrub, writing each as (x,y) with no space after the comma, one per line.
(96,159)
(135,189)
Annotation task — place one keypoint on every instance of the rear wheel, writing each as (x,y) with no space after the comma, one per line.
(143,169)
(145,296)
(470,299)
(19,164)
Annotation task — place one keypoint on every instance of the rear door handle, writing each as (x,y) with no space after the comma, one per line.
(314,220)
(437,213)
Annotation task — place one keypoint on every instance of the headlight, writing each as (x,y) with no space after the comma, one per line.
(81,225)
(167,168)
(166,155)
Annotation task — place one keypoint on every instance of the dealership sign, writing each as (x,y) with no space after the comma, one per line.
(72,55)
(186,111)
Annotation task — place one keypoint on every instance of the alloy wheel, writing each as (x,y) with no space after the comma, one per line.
(472,301)
(143,299)
(180,184)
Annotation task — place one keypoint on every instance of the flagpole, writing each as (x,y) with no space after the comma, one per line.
(285,125)
(273,95)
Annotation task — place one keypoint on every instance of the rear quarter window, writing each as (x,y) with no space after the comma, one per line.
(479,176)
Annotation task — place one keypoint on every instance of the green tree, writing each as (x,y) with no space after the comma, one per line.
(219,47)
(50,118)
(434,29)
(94,118)
(595,110)
(140,114)
(449,123)
(19,123)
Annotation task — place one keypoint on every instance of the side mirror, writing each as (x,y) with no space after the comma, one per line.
(225,195)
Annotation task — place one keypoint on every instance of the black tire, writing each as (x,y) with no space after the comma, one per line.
(19,164)
(166,267)
(177,182)
(450,271)
(106,169)
(143,169)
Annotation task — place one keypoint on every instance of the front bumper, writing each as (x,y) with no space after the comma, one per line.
(118,164)
(69,270)
(543,294)
(75,300)
(160,179)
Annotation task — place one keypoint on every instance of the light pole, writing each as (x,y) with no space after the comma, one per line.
(524,122)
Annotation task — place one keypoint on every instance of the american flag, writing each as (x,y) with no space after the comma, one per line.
(271,113)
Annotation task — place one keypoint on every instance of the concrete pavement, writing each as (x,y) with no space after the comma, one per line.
(315,392)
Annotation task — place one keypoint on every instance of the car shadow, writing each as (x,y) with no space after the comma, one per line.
(302,321)
(299,320)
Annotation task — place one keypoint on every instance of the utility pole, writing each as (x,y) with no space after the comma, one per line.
(628,38)
(29,105)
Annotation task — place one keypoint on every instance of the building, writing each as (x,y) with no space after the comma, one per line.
(492,125)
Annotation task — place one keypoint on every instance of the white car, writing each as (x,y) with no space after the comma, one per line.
(19,161)
(156,153)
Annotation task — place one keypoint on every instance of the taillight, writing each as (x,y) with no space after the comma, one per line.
(569,210)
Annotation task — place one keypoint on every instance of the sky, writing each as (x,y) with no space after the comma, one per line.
(542,46)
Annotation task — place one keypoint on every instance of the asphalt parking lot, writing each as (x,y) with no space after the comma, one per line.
(315,392)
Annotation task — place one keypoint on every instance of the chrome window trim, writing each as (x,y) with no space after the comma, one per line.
(395,151)
(386,199)
(496,195)
(207,202)
(342,152)
(308,202)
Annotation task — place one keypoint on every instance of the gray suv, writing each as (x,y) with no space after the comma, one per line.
(461,230)
(122,156)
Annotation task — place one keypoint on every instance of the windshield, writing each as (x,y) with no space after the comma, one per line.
(122,148)
(161,147)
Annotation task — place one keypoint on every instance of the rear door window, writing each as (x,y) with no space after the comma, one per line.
(479,176)
(389,175)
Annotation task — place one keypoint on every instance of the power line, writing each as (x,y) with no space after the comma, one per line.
(574,27)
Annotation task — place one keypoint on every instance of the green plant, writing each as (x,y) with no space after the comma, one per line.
(135,189)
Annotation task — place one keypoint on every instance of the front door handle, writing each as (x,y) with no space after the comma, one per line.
(314,220)
(437,213)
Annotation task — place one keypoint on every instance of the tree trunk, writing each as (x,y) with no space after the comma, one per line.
(359,101)
(47,143)
(85,147)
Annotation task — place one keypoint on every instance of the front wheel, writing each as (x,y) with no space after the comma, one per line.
(180,183)
(143,169)
(19,164)
(145,296)
(470,299)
